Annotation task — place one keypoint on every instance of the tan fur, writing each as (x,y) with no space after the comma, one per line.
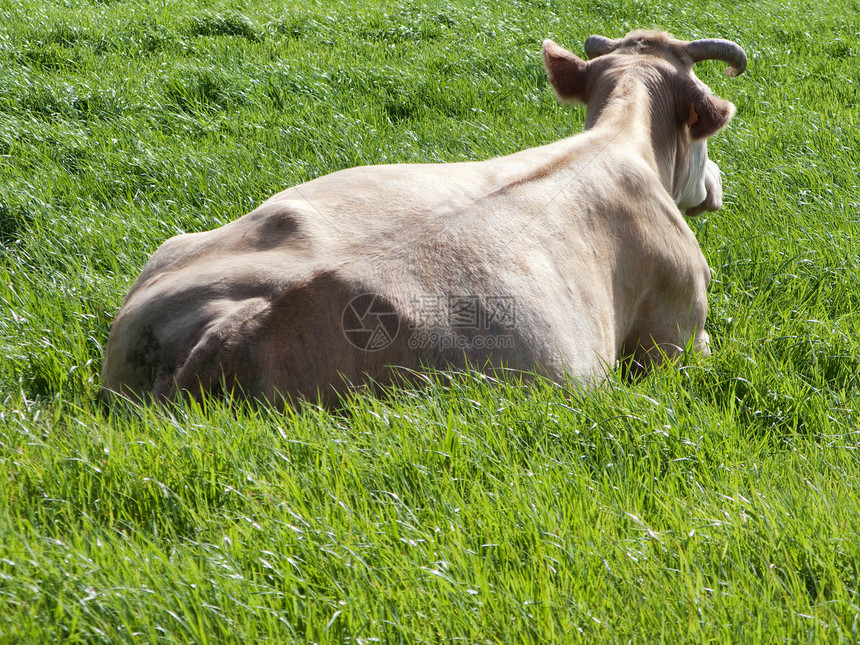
(584,236)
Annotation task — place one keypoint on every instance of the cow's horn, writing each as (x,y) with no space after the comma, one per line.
(599,46)
(719,49)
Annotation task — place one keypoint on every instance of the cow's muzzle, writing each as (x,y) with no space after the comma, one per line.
(713,191)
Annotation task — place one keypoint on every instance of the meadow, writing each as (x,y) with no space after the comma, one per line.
(714,501)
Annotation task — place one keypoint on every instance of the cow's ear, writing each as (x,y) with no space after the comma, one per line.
(567,72)
(706,114)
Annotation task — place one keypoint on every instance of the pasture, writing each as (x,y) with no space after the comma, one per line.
(713,502)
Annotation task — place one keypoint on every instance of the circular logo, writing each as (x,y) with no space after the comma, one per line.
(370,322)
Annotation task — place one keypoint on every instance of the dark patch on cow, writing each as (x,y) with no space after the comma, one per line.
(146,355)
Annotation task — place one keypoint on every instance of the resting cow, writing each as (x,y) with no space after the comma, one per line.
(558,260)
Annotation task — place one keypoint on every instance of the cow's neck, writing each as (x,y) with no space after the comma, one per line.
(629,113)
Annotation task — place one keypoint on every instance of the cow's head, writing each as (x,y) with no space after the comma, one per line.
(683,111)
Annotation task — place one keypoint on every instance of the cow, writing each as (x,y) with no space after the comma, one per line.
(559,260)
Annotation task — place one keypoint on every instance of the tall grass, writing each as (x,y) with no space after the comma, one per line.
(715,502)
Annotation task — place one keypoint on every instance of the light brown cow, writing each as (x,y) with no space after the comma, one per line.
(557,260)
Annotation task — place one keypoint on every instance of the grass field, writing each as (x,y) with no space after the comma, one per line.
(718,502)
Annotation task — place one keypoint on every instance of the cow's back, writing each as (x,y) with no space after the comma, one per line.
(258,305)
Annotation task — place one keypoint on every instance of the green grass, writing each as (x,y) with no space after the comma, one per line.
(713,503)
